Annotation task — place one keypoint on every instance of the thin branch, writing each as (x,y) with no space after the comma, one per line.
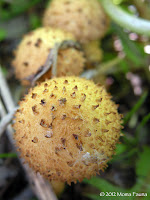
(102,69)
(6,120)
(51,61)
(40,186)
(125,20)
(5,92)
(54,67)
(45,68)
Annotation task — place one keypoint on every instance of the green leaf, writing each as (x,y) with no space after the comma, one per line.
(120,148)
(8,155)
(95,196)
(35,21)
(124,65)
(2,34)
(16,7)
(130,48)
(135,107)
(142,123)
(143,163)
(102,185)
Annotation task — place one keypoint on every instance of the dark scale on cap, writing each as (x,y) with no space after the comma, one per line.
(43,124)
(53,108)
(52,95)
(83,97)
(62,101)
(104,130)
(87,133)
(92,146)
(43,102)
(79,147)
(57,149)
(34,95)
(98,84)
(76,106)
(53,116)
(49,134)
(58,173)
(55,81)
(96,120)
(64,116)
(66,82)
(25,64)
(107,113)
(45,91)
(63,141)
(21,121)
(115,129)
(107,122)
(29,43)
(64,89)
(23,99)
(70,163)
(95,106)
(99,100)
(73,95)
(79,10)
(38,42)
(35,140)
(19,111)
(75,136)
(34,109)
(45,85)
(55,88)
(75,88)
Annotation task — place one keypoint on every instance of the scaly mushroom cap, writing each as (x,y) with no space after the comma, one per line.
(67,128)
(33,50)
(83,18)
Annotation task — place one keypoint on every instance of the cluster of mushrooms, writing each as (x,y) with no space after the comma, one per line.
(66,127)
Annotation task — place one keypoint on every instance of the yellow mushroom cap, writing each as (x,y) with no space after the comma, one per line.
(83,18)
(58,187)
(33,51)
(67,128)
(93,52)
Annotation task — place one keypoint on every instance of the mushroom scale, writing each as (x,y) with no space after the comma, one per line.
(67,128)
(32,53)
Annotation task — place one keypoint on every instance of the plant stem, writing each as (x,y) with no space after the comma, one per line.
(39,185)
(125,20)
(6,120)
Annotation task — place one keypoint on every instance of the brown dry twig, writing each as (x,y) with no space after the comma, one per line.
(52,60)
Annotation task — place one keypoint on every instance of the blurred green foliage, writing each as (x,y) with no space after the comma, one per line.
(8,155)
(3,34)
(15,7)
(35,21)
